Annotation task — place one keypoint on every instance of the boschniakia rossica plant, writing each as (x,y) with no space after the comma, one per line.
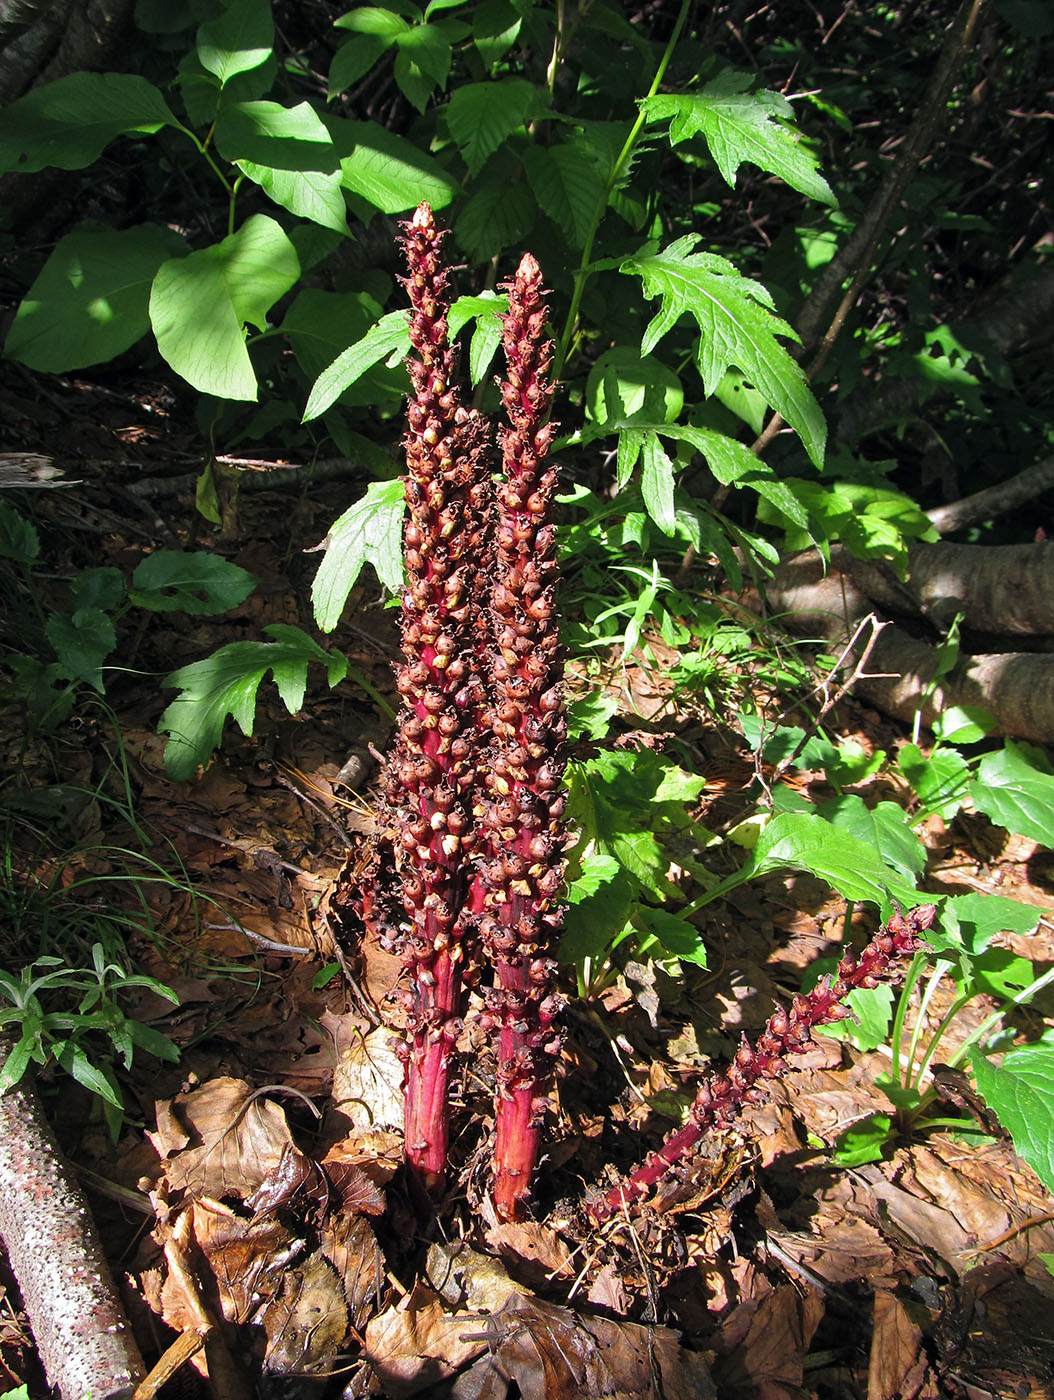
(472,784)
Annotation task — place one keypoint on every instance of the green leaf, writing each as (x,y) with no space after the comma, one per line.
(390,336)
(974,919)
(1015,788)
(738,125)
(485,310)
(495,28)
(498,215)
(736,327)
(1020,1091)
(940,781)
(481,115)
(389,172)
(657,485)
(74,1060)
(287,138)
(676,937)
(375,32)
(370,532)
(200,584)
(200,304)
(226,683)
(873,1009)
(319,325)
(596,870)
(69,123)
(884,827)
(804,841)
(91,299)
(567,185)
(644,388)
(240,40)
(102,588)
(864,1142)
(82,644)
(18,538)
(309,194)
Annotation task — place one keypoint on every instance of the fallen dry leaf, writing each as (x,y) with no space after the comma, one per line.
(368,1082)
(419,1343)
(220,1140)
(896,1370)
(307,1321)
(764,1361)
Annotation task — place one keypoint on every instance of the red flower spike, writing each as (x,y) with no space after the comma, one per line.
(721,1096)
(431,774)
(523,867)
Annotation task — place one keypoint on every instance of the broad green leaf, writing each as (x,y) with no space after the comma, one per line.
(596,870)
(883,826)
(201,584)
(91,299)
(82,644)
(389,172)
(864,1142)
(370,532)
(424,57)
(390,336)
(728,459)
(226,683)
(940,781)
(1020,1090)
(69,123)
(200,304)
(567,185)
(1015,788)
(595,922)
(495,28)
(485,309)
(498,215)
(974,919)
(676,937)
(736,327)
(240,40)
(481,115)
(374,20)
(319,325)
(738,125)
(872,1008)
(18,537)
(656,484)
(102,588)
(803,841)
(310,194)
(375,31)
(644,387)
(204,96)
(266,133)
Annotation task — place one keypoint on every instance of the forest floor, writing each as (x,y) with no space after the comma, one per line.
(765,1271)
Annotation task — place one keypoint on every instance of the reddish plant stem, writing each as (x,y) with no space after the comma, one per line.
(722,1096)
(524,815)
(431,774)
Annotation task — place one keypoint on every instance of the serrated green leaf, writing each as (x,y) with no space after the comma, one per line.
(977,918)
(485,309)
(90,301)
(319,325)
(738,126)
(69,123)
(309,194)
(370,532)
(18,537)
(201,584)
(481,115)
(596,870)
(645,389)
(883,827)
(390,336)
(82,644)
(102,588)
(676,937)
(736,327)
(804,841)
(200,304)
(1015,788)
(389,172)
(226,683)
(497,215)
(656,484)
(238,41)
(495,28)
(567,185)
(940,781)
(1020,1091)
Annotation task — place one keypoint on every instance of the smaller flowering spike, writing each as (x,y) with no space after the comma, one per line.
(522,869)
(721,1096)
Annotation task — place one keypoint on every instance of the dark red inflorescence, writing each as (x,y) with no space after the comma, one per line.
(721,1096)
(523,839)
(432,772)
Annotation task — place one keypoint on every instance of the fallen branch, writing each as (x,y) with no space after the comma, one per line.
(80,1331)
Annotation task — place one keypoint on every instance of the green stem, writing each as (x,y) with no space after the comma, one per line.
(584,271)
(915,971)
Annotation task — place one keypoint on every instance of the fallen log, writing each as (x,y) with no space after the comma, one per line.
(81,1335)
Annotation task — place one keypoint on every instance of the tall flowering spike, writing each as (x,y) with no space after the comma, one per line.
(522,862)
(721,1096)
(431,774)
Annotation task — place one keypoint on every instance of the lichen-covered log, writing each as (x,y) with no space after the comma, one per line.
(80,1331)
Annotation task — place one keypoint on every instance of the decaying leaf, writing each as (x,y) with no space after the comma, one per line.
(219,1140)
(368,1083)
